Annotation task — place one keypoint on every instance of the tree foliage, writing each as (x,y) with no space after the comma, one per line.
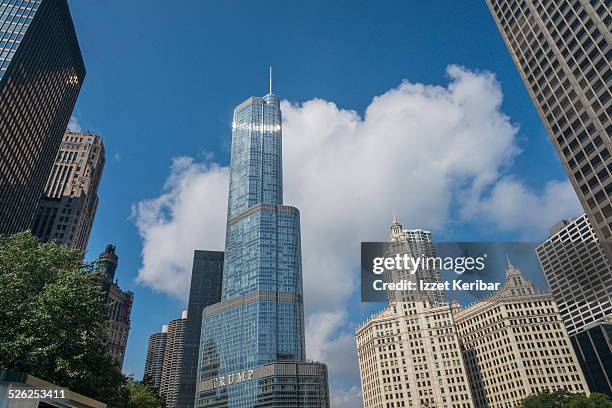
(52,321)
(141,396)
(564,399)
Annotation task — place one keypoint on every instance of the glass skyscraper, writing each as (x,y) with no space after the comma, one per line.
(41,72)
(252,351)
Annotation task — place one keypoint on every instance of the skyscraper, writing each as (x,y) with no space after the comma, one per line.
(515,345)
(580,278)
(414,243)
(409,353)
(66,211)
(561,49)
(173,361)
(578,273)
(119,302)
(154,363)
(205,290)
(252,349)
(593,348)
(41,72)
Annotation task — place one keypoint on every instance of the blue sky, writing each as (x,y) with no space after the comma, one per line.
(163,78)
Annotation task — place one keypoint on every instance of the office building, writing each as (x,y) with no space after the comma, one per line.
(561,49)
(594,351)
(154,363)
(515,345)
(41,73)
(119,303)
(67,209)
(580,279)
(578,273)
(205,290)
(415,243)
(409,354)
(173,360)
(252,349)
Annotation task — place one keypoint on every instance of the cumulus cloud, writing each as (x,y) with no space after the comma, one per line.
(350,398)
(511,203)
(331,339)
(190,214)
(436,155)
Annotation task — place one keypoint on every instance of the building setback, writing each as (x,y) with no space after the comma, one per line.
(41,73)
(252,349)
(205,290)
(154,363)
(561,49)
(173,360)
(66,211)
(119,303)
(514,344)
(409,354)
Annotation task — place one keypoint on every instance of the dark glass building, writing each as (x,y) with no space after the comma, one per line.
(205,290)
(593,348)
(41,72)
(252,349)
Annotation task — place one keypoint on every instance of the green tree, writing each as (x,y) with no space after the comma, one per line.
(141,396)
(595,400)
(564,399)
(52,322)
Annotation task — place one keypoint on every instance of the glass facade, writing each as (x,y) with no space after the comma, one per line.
(593,348)
(205,290)
(41,72)
(257,330)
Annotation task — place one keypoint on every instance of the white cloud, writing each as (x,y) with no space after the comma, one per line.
(435,155)
(511,203)
(330,339)
(350,398)
(74,124)
(190,214)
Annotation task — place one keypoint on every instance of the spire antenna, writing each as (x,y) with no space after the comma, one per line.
(270,79)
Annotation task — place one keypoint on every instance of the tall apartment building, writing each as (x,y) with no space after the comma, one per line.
(514,344)
(173,360)
(252,346)
(409,354)
(119,302)
(154,363)
(578,273)
(41,72)
(580,278)
(561,49)
(67,209)
(205,290)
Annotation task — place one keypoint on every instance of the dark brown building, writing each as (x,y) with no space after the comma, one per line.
(41,73)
